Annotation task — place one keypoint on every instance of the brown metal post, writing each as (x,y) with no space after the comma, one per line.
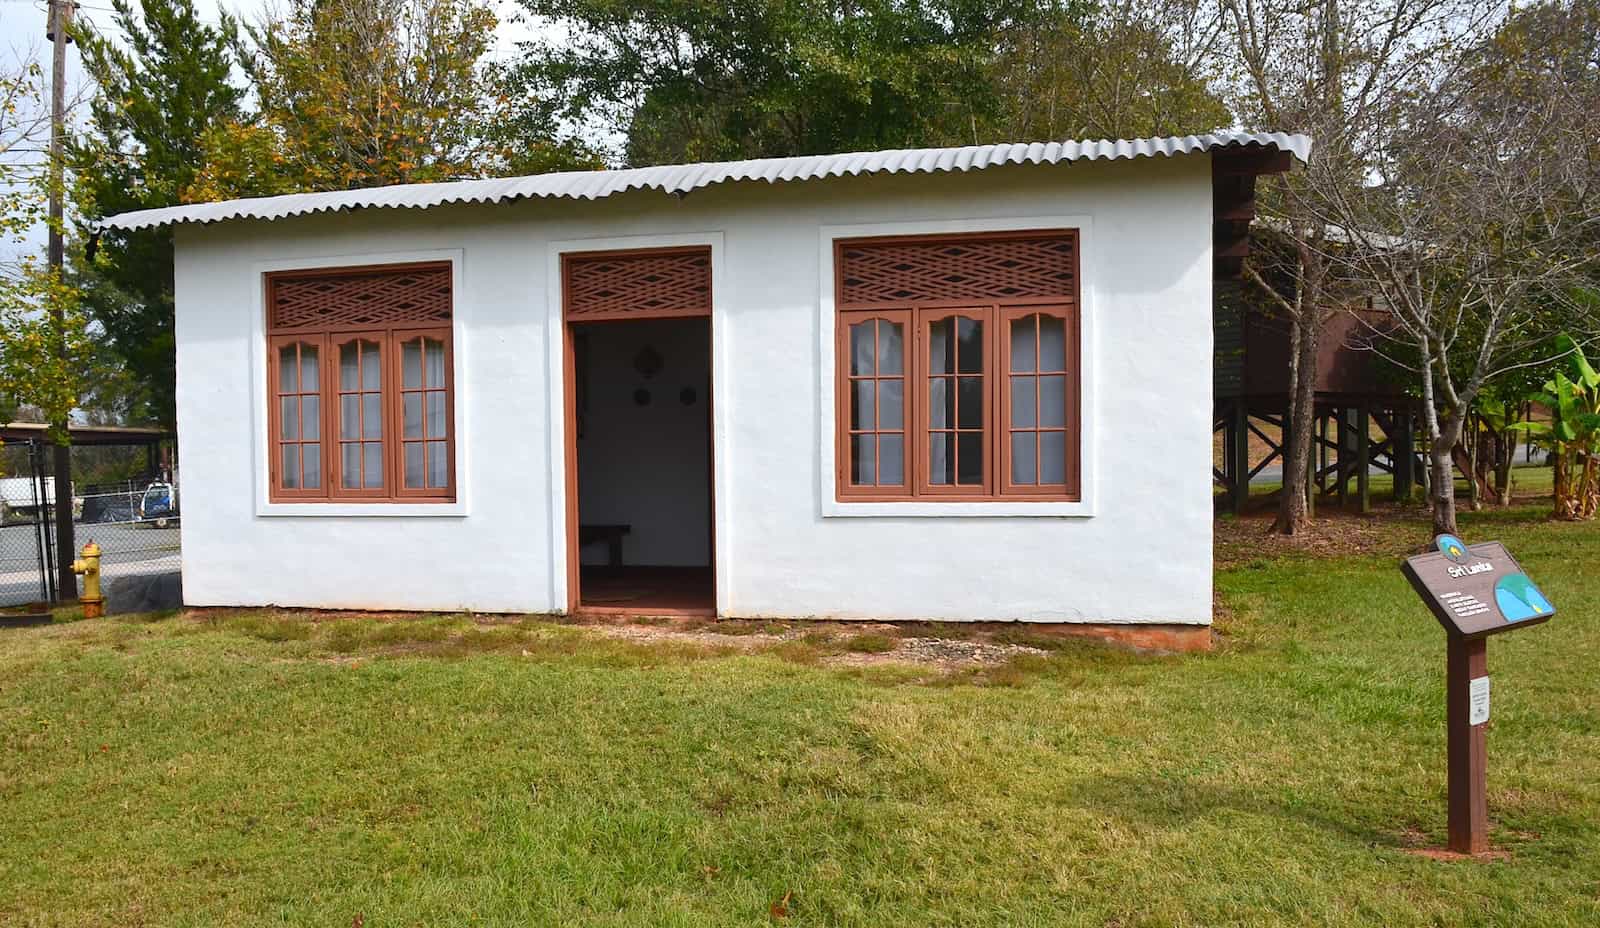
(1465,660)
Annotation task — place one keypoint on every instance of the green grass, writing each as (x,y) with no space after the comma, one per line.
(274,769)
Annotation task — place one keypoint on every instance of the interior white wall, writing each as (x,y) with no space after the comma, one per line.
(1143,556)
(648,466)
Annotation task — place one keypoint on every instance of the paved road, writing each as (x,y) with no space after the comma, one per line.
(127,548)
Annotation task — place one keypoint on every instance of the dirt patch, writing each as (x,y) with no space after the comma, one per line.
(1450,857)
(841,646)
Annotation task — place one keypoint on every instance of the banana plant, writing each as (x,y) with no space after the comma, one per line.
(1573,432)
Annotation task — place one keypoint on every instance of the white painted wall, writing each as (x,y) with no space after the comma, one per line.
(1137,550)
(648,466)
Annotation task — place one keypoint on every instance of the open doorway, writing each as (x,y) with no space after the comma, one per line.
(639,436)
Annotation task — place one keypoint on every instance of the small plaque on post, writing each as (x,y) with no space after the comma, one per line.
(1476,590)
(1479,692)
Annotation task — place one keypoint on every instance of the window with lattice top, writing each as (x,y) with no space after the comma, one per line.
(359,298)
(983,268)
(958,368)
(360,379)
(661,283)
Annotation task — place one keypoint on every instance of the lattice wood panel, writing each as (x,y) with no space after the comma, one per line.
(639,284)
(984,269)
(360,298)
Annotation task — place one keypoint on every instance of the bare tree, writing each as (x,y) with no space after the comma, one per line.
(1326,68)
(1479,224)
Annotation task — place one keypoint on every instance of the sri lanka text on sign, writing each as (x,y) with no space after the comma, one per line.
(1476,590)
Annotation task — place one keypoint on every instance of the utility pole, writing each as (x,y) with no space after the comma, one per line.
(58,25)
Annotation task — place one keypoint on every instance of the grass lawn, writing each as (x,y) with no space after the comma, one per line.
(264,769)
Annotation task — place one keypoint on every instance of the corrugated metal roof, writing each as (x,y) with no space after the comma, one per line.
(684,178)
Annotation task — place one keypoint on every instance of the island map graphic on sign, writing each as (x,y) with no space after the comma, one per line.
(1519,599)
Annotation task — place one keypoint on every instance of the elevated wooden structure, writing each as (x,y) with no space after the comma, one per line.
(1251,397)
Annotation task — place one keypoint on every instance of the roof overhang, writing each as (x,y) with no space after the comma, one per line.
(1233,201)
(1264,149)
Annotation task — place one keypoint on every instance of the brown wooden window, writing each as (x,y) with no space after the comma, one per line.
(958,367)
(360,376)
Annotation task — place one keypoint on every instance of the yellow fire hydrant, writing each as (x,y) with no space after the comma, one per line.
(94,605)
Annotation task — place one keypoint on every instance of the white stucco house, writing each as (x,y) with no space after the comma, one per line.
(946,384)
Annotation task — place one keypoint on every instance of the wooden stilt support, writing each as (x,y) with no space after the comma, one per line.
(1363,457)
(1239,451)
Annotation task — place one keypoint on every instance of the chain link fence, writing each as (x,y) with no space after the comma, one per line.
(133,518)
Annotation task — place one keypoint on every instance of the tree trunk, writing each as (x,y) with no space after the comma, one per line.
(1507,451)
(1443,499)
(1292,514)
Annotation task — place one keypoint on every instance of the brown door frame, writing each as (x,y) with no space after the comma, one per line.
(570,436)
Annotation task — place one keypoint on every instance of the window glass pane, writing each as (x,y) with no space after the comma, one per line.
(349,366)
(971,351)
(1022,344)
(971,403)
(433,361)
(291,467)
(891,354)
(1052,343)
(939,347)
(436,418)
(1023,413)
(372,464)
(941,412)
(350,416)
(891,460)
(350,466)
(438,467)
(413,465)
(861,401)
(941,459)
(288,382)
(861,348)
(309,382)
(371,378)
(969,458)
(310,417)
(1052,457)
(1024,468)
(891,404)
(288,418)
(411,364)
(412,412)
(1052,402)
(863,466)
(371,415)
(311,458)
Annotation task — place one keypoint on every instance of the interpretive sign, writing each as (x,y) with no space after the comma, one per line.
(1476,590)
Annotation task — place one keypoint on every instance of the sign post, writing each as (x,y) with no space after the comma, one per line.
(1474,592)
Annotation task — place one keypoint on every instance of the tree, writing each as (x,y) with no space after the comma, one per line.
(1119,69)
(157,92)
(1326,68)
(367,92)
(1479,227)
(683,80)
(33,373)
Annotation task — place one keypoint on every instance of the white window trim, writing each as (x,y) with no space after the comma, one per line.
(827,410)
(722,402)
(259,399)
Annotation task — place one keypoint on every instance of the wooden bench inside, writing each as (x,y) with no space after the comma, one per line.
(610,534)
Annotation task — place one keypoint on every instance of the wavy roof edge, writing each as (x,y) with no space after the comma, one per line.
(684,178)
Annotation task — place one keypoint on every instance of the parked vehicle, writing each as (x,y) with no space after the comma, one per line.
(19,501)
(159,505)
